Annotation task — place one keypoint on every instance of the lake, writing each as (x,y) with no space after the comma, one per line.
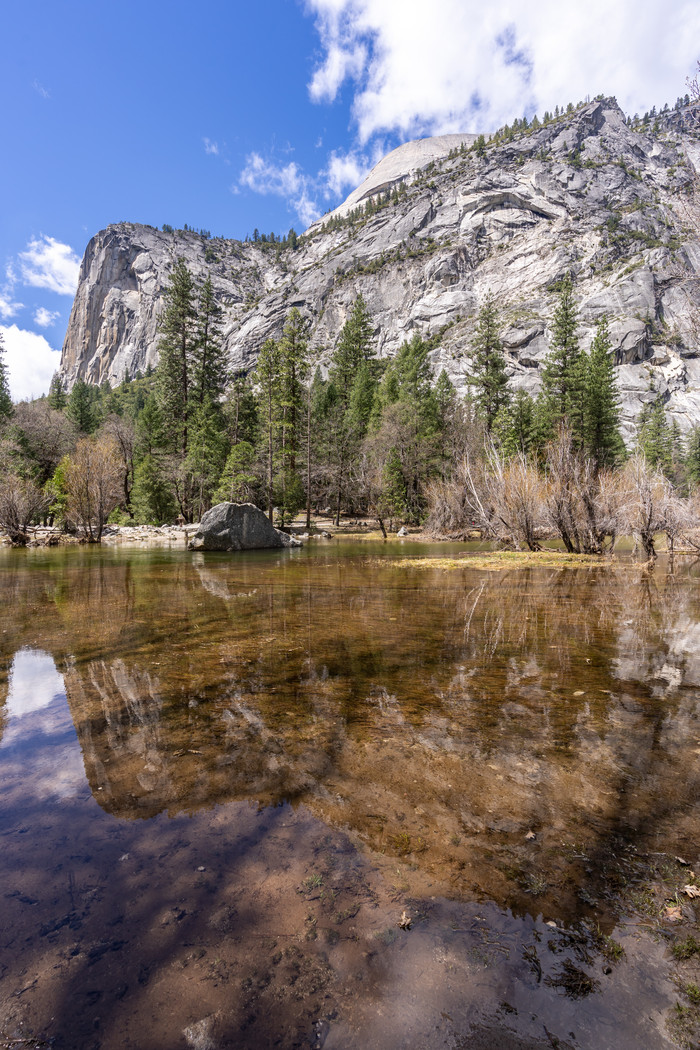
(328,797)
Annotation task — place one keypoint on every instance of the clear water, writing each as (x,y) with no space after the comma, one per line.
(507,737)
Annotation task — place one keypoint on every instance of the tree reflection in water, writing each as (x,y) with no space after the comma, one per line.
(444,718)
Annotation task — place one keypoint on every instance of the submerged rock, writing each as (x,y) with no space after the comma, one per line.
(238,527)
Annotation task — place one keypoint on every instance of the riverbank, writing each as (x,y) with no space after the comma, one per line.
(180,535)
(479,556)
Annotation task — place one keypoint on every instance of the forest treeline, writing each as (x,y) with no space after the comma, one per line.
(377,437)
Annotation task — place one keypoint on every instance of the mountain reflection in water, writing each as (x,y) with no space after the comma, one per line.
(440,717)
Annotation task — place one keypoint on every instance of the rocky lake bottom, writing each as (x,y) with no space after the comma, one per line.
(343,797)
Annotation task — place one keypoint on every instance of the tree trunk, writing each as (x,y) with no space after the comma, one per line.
(269,463)
(308,461)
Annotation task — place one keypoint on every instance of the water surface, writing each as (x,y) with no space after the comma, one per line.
(510,737)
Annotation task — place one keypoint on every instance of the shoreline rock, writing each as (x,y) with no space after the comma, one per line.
(238,527)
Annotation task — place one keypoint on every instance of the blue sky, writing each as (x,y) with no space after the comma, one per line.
(231,116)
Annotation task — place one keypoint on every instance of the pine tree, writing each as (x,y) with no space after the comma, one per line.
(240,409)
(489,376)
(343,407)
(206,455)
(6,408)
(293,371)
(393,486)
(177,344)
(151,495)
(267,375)
(447,407)
(209,360)
(678,473)
(361,401)
(58,398)
(513,427)
(238,481)
(81,407)
(601,421)
(654,436)
(354,347)
(692,456)
(407,420)
(408,378)
(562,374)
(151,436)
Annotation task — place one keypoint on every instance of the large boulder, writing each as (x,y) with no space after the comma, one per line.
(238,527)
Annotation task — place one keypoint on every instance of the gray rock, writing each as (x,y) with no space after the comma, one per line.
(397,165)
(511,223)
(238,527)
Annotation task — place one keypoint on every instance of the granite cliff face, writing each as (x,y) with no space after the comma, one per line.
(585,194)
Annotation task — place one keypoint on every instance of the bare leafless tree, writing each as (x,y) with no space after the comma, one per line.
(680,518)
(644,499)
(450,513)
(43,435)
(368,478)
(122,430)
(580,499)
(506,498)
(21,501)
(94,484)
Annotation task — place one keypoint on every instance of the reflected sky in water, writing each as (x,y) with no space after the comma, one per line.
(39,749)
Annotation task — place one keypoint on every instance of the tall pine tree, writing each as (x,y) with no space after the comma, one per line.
(354,347)
(267,376)
(489,376)
(346,404)
(82,408)
(654,436)
(209,360)
(293,372)
(562,374)
(178,339)
(601,421)
(58,399)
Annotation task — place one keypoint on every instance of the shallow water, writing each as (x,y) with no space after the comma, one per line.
(499,740)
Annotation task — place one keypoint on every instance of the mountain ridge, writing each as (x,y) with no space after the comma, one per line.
(585,193)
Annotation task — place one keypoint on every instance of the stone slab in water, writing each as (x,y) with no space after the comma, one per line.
(238,527)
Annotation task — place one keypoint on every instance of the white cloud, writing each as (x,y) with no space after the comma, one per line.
(345,171)
(264,177)
(343,60)
(211,147)
(40,89)
(8,308)
(30,361)
(287,181)
(468,66)
(47,263)
(8,305)
(45,318)
(307,209)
